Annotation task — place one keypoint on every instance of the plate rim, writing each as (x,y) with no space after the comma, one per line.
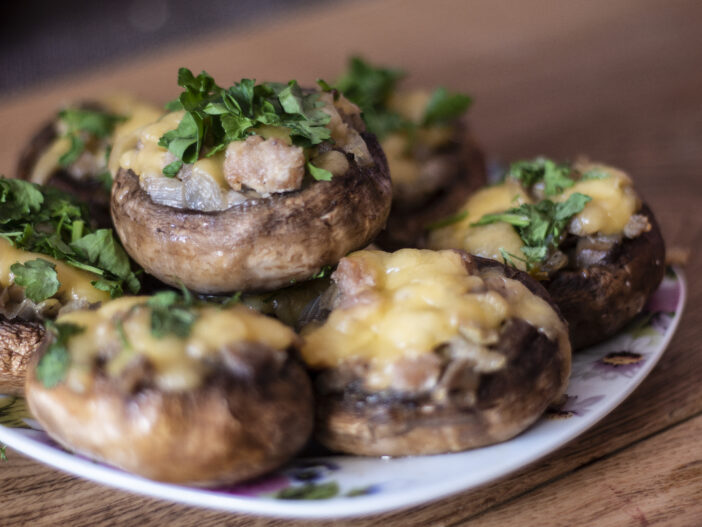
(365,505)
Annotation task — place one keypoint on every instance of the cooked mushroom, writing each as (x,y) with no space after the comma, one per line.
(231,221)
(70,152)
(583,230)
(426,352)
(434,161)
(215,389)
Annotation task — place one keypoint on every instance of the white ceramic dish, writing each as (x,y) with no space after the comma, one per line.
(342,486)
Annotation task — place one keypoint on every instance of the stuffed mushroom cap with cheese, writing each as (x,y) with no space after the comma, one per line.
(425,352)
(175,392)
(249,188)
(71,151)
(51,262)
(582,229)
(434,160)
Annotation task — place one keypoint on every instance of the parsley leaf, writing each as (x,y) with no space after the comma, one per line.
(319,174)
(53,365)
(556,178)
(48,221)
(171,313)
(83,122)
(444,107)
(38,277)
(541,225)
(372,87)
(216,116)
(445,222)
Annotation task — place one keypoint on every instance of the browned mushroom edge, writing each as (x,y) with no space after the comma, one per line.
(250,413)
(260,244)
(478,409)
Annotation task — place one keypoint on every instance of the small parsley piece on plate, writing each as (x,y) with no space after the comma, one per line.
(38,277)
(215,116)
(541,225)
(53,365)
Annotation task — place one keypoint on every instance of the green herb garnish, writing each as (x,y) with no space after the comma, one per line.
(214,116)
(3,453)
(556,177)
(319,174)
(53,365)
(541,225)
(81,122)
(172,313)
(309,491)
(445,222)
(48,221)
(38,277)
(371,88)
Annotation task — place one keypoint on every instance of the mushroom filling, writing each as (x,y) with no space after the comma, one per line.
(84,135)
(545,217)
(399,319)
(160,341)
(415,128)
(245,143)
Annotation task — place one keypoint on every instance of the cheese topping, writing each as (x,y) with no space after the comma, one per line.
(138,114)
(411,302)
(75,283)
(485,240)
(613,202)
(178,363)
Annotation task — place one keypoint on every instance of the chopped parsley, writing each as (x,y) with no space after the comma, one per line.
(48,221)
(371,88)
(215,116)
(53,365)
(82,122)
(38,277)
(172,313)
(319,174)
(555,177)
(541,226)
(445,222)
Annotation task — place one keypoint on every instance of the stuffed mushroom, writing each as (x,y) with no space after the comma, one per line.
(71,151)
(173,391)
(434,161)
(582,229)
(426,352)
(250,187)
(51,262)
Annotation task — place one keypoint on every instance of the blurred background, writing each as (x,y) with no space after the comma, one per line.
(41,40)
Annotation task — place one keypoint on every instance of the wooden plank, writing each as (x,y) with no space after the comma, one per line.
(656,482)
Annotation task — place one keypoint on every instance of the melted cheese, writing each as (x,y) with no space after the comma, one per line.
(485,240)
(614,201)
(178,363)
(418,300)
(138,114)
(75,283)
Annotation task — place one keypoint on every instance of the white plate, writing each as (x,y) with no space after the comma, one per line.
(338,486)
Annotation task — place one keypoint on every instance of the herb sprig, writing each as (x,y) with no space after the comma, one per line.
(53,365)
(371,88)
(215,116)
(46,220)
(82,123)
(555,177)
(541,226)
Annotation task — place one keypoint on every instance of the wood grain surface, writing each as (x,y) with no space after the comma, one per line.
(619,81)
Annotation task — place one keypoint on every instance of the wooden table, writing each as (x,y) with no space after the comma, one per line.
(618,80)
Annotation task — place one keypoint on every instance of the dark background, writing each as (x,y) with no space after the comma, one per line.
(42,40)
